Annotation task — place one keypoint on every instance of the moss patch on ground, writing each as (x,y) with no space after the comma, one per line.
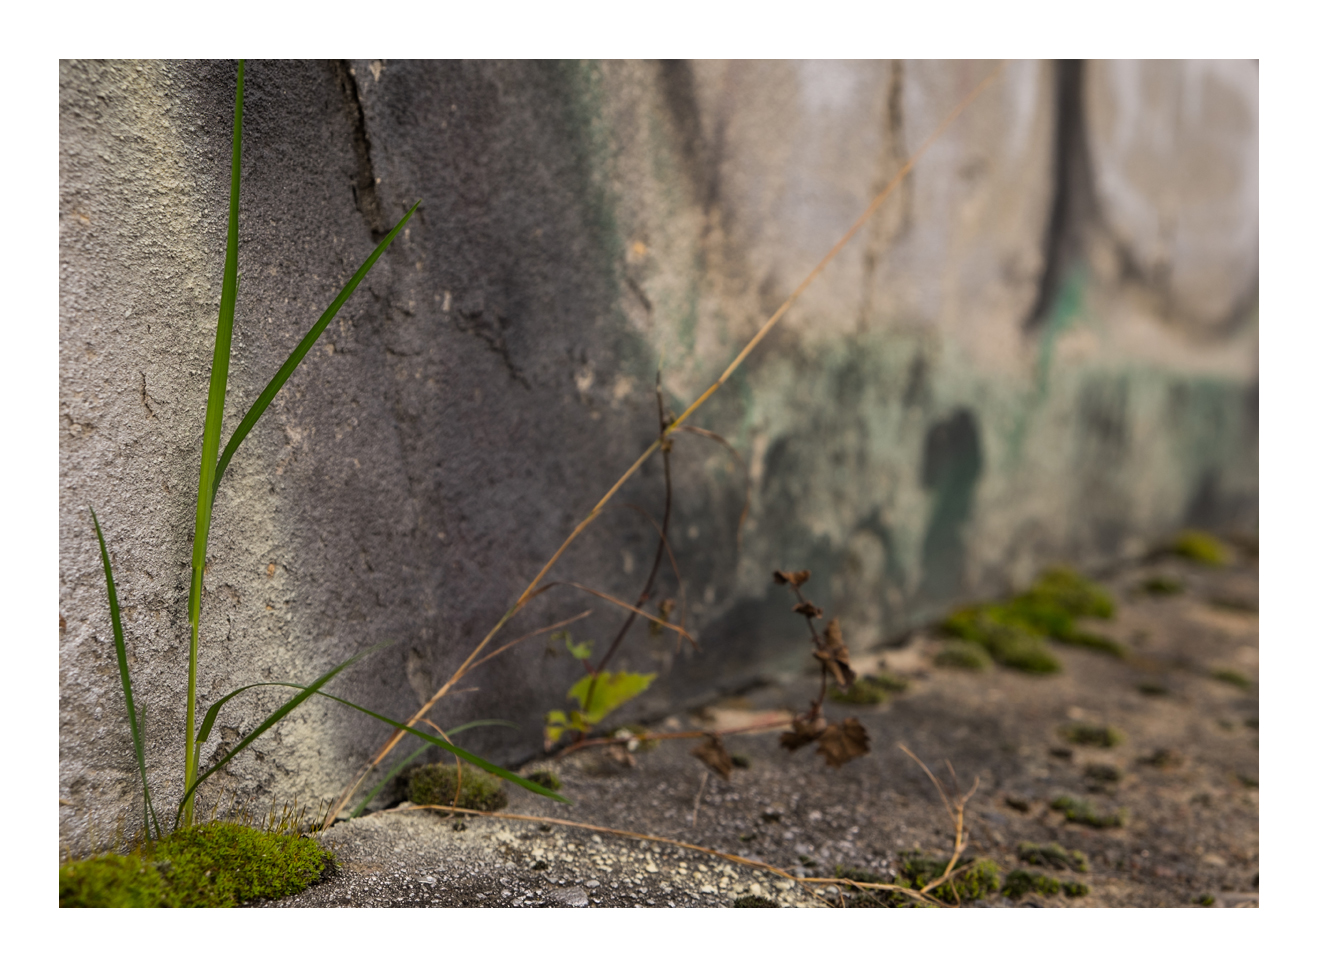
(210,865)
(437,785)
(964,654)
(1082,733)
(1054,855)
(1014,632)
(972,879)
(1083,811)
(1202,548)
(869,689)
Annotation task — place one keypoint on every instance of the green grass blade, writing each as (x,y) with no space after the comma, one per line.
(306,691)
(283,710)
(210,440)
(125,680)
(475,760)
(211,431)
(404,764)
(296,356)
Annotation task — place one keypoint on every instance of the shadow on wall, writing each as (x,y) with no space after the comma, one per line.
(950,471)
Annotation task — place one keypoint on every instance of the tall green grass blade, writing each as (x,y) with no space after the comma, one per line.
(210,440)
(296,356)
(406,762)
(306,692)
(126,682)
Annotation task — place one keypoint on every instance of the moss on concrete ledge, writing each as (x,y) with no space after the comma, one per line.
(437,785)
(210,865)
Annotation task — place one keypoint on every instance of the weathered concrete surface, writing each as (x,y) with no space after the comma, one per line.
(982,383)
(1192,829)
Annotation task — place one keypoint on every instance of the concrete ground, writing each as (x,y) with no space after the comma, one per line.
(1185,773)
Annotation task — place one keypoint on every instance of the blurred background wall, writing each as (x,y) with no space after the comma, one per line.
(1043,348)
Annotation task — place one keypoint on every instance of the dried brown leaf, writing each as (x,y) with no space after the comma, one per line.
(834,655)
(794,578)
(809,609)
(842,743)
(806,727)
(712,754)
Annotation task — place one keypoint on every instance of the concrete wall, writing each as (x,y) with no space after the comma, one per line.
(1044,347)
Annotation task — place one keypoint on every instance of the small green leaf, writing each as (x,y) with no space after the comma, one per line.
(577,649)
(612,689)
(125,681)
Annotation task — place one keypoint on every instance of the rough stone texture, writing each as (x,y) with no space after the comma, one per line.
(1043,347)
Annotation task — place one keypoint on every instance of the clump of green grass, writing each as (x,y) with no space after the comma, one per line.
(1202,548)
(1083,733)
(1161,585)
(1021,882)
(1013,632)
(969,655)
(1073,888)
(1205,900)
(751,900)
(1232,677)
(1082,811)
(1054,855)
(207,865)
(869,689)
(437,785)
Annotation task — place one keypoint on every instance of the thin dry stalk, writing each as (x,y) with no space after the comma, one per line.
(956,809)
(531,588)
(658,551)
(456,758)
(695,810)
(539,631)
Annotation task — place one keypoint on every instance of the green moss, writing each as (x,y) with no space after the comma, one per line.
(436,785)
(1082,811)
(974,879)
(1073,888)
(1161,585)
(1021,882)
(1202,548)
(1205,900)
(541,776)
(1233,678)
(753,901)
(865,690)
(210,865)
(1054,855)
(1013,631)
(1081,733)
(1101,772)
(964,654)
(112,881)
